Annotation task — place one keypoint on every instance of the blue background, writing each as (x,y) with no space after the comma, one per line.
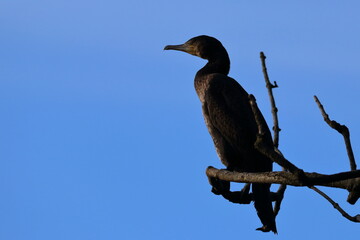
(101,132)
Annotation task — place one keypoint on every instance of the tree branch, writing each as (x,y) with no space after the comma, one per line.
(337,206)
(345,180)
(274,109)
(344,131)
(276,128)
(266,150)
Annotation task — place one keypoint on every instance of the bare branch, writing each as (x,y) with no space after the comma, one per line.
(355,193)
(274,109)
(342,129)
(337,206)
(264,149)
(276,128)
(345,180)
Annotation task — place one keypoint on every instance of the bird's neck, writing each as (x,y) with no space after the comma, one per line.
(220,64)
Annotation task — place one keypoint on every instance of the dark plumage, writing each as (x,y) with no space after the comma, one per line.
(230,120)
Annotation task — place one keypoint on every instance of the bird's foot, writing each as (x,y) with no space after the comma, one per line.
(219,187)
(265,228)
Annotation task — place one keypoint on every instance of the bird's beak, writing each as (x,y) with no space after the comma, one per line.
(182,47)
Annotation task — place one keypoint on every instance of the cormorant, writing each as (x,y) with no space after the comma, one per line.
(230,120)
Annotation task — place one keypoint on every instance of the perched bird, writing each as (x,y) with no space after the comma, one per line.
(230,120)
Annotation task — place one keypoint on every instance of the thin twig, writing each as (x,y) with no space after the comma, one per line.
(274,109)
(342,129)
(276,128)
(337,206)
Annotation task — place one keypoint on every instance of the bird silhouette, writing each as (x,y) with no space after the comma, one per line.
(230,121)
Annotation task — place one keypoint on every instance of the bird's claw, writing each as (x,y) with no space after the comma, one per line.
(263,229)
(219,187)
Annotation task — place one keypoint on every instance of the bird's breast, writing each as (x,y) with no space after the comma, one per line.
(202,84)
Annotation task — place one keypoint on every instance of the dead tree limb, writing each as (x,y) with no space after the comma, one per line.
(274,109)
(344,180)
(276,128)
(342,129)
(337,206)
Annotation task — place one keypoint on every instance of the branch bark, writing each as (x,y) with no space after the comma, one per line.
(345,180)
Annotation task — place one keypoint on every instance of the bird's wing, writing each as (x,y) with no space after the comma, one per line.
(230,112)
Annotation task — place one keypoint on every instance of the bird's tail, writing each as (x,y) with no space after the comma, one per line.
(264,207)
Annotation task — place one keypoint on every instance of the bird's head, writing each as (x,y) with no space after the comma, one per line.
(202,46)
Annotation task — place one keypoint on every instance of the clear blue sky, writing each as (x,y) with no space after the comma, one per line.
(101,132)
